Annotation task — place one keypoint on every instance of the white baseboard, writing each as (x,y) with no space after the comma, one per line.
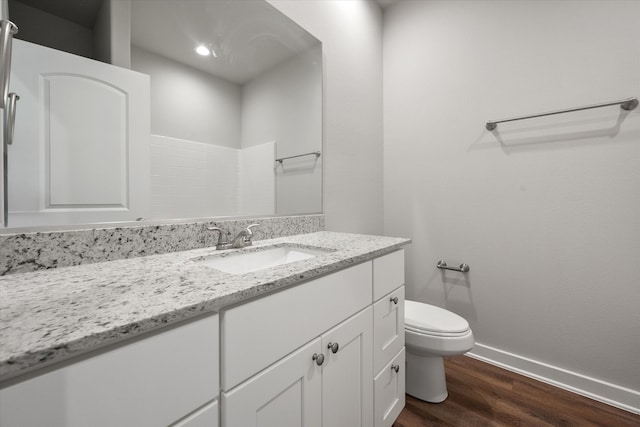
(595,389)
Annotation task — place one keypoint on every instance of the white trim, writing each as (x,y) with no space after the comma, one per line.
(611,394)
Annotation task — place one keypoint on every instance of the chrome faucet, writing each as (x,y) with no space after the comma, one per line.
(244,238)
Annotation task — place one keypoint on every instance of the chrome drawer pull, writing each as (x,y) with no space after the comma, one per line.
(395,368)
(333,346)
(394,300)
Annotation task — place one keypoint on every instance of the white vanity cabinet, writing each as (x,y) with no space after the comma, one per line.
(258,333)
(170,378)
(288,339)
(278,362)
(297,391)
(328,352)
(388,340)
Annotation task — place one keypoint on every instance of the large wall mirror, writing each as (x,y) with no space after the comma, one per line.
(142,110)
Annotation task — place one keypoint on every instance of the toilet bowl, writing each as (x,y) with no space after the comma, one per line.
(430,333)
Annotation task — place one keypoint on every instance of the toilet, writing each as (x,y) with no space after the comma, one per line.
(430,334)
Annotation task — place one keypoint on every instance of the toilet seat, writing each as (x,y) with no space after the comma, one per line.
(428,319)
(434,333)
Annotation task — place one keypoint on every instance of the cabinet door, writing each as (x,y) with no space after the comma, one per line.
(72,164)
(206,416)
(150,382)
(389,395)
(347,374)
(388,328)
(287,394)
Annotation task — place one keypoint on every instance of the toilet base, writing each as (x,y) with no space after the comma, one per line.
(425,378)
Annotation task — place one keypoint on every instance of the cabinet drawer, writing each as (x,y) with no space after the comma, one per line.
(389,386)
(260,332)
(388,328)
(150,382)
(388,273)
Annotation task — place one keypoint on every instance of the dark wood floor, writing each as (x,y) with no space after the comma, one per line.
(484,395)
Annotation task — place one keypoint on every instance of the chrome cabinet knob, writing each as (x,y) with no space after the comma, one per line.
(333,346)
(395,368)
(394,300)
(319,358)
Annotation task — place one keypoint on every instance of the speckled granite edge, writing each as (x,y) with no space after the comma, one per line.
(26,252)
(51,316)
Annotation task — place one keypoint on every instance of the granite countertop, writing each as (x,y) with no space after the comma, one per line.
(53,315)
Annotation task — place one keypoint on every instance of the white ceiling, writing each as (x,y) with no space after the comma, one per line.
(248,36)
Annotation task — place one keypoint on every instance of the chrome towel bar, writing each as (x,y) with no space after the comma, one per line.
(626,104)
(443,265)
(315,153)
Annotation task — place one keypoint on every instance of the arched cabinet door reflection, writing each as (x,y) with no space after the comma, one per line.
(77,164)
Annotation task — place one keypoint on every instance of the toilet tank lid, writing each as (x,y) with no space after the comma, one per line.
(428,317)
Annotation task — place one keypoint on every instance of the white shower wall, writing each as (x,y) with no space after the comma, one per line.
(546,211)
(192,179)
(283,104)
(257,180)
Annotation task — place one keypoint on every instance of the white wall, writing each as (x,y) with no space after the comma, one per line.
(285,105)
(351,34)
(545,211)
(189,104)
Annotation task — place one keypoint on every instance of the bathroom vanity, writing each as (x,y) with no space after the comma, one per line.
(316,342)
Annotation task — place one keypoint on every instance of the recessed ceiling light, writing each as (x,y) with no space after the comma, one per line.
(203,50)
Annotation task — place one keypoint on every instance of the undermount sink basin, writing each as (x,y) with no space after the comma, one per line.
(259,258)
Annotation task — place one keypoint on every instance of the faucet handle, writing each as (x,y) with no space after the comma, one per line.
(250,227)
(247,235)
(221,234)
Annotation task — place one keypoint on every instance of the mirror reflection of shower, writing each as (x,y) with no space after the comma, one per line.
(216,124)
